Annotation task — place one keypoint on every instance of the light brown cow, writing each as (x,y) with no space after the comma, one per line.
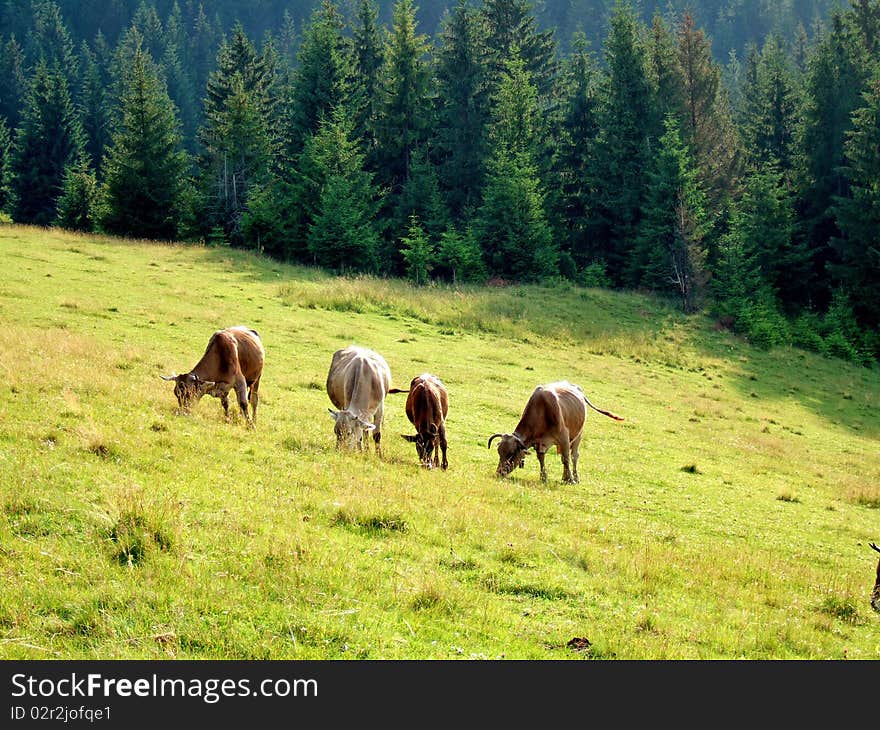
(357,384)
(426,408)
(233,359)
(554,415)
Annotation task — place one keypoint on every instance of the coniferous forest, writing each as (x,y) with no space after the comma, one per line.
(728,158)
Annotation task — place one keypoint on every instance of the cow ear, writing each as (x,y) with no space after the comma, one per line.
(207,383)
(368,426)
(411,439)
(333,414)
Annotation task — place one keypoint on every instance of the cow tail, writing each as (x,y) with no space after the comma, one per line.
(599,410)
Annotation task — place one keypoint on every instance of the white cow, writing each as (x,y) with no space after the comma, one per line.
(357,384)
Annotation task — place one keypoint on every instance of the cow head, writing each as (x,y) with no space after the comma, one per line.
(424,442)
(188,388)
(349,429)
(511,452)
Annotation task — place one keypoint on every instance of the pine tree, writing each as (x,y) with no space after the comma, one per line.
(78,204)
(668,254)
(512,24)
(237,137)
(418,253)
(770,117)
(576,189)
(665,71)
(511,224)
(145,167)
(858,215)
(341,235)
(626,124)
(707,126)
(463,110)
(459,255)
(420,197)
(835,78)
(49,140)
(13,82)
(319,82)
(405,97)
(95,107)
(50,41)
(368,61)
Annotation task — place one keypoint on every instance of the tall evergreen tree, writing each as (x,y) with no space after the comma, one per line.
(511,224)
(237,137)
(49,139)
(833,85)
(858,215)
(319,82)
(707,126)
(145,168)
(95,107)
(626,123)
(573,172)
(668,254)
(769,122)
(50,41)
(513,24)
(341,235)
(367,65)
(13,82)
(463,109)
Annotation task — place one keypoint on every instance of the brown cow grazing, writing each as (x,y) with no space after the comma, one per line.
(233,359)
(554,415)
(426,407)
(875,594)
(357,384)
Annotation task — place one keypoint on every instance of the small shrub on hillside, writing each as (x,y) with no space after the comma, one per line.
(594,276)
(762,322)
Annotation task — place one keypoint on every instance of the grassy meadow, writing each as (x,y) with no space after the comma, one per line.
(727,517)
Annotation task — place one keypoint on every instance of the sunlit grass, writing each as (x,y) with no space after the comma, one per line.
(728,516)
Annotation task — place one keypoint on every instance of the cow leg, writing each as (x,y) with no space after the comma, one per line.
(254,398)
(574,459)
(540,455)
(565,452)
(442,438)
(241,391)
(224,401)
(377,432)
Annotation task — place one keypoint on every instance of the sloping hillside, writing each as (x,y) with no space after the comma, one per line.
(728,516)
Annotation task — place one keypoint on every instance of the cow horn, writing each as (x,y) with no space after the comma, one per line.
(492,437)
(173,376)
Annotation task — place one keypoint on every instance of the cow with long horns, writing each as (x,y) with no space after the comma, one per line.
(554,416)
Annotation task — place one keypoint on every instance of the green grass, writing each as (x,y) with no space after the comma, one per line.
(728,516)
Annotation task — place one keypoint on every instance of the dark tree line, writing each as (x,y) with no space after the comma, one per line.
(749,188)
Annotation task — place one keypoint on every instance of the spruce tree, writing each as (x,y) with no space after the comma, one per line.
(367,65)
(13,82)
(95,107)
(78,204)
(858,214)
(707,127)
(320,81)
(418,253)
(668,254)
(463,109)
(49,140)
(626,124)
(513,24)
(511,224)
(339,197)
(573,173)
(832,91)
(237,137)
(145,167)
